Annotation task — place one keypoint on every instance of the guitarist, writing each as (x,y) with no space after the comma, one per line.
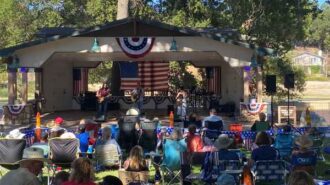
(137,96)
(102,97)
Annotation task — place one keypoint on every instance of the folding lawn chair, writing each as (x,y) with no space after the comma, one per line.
(107,156)
(270,172)
(284,144)
(63,151)
(11,151)
(129,177)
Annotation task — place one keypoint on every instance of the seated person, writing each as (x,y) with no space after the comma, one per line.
(15,134)
(261,125)
(194,142)
(57,130)
(111,180)
(300,178)
(172,149)
(106,139)
(61,177)
(284,142)
(136,161)
(264,150)
(212,118)
(222,144)
(83,137)
(43,144)
(91,127)
(303,158)
(193,119)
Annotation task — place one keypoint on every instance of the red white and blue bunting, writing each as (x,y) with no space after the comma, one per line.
(16,109)
(136,47)
(253,108)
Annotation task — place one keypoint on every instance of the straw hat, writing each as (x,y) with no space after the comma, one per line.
(15,134)
(223,141)
(304,141)
(36,154)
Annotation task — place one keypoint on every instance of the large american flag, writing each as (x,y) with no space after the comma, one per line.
(80,80)
(214,79)
(153,75)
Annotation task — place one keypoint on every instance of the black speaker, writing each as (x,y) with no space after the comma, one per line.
(289,81)
(271,84)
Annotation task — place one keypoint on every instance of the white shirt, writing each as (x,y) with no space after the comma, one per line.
(20,176)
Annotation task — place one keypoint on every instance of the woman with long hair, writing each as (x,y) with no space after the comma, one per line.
(136,161)
(82,173)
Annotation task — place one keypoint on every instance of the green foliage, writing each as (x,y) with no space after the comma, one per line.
(315,69)
(101,73)
(180,77)
(280,67)
(320,29)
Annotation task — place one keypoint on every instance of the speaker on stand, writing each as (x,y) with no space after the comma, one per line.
(271,90)
(289,84)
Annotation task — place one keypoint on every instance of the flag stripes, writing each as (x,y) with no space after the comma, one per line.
(152,75)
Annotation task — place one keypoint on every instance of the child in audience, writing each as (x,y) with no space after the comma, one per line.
(194,142)
(136,161)
(82,173)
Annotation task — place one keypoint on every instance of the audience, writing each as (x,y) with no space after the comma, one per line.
(83,137)
(106,139)
(43,144)
(61,177)
(261,125)
(136,161)
(212,117)
(264,150)
(222,144)
(82,172)
(300,178)
(30,167)
(303,158)
(194,141)
(172,149)
(57,130)
(111,180)
(15,134)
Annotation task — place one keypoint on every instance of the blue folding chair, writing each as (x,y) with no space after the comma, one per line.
(270,172)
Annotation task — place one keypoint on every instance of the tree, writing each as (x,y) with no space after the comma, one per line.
(320,29)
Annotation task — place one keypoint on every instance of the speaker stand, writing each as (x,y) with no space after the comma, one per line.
(288,106)
(271,109)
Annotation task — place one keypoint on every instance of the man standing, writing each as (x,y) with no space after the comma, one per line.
(102,98)
(30,167)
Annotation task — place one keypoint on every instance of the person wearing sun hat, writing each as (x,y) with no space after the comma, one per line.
(222,144)
(304,158)
(30,167)
(15,134)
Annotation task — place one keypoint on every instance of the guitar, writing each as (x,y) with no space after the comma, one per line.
(102,94)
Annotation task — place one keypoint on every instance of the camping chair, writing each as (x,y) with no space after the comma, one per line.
(128,177)
(318,146)
(170,167)
(148,140)
(63,151)
(270,172)
(231,167)
(214,129)
(127,138)
(306,162)
(284,144)
(107,156)
(11,151)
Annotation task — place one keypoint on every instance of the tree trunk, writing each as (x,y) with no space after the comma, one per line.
(122,9)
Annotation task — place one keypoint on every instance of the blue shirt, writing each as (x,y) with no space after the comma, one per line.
(172,150)
(264,152)
(212,118)
(225,154)
(83,140)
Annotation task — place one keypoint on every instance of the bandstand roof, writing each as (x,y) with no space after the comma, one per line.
(202,47)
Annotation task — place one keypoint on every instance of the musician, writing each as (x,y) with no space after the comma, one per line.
(102,97)
(181,102)
(137,96)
